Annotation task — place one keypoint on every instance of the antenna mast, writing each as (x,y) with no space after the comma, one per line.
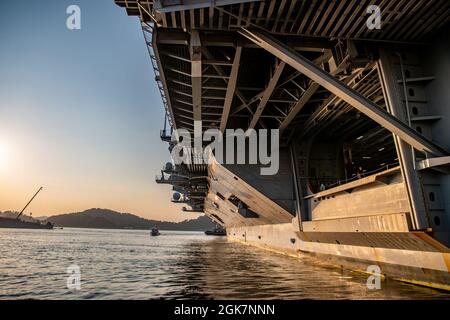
(29,203)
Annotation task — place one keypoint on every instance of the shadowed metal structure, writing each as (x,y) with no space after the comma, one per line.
(362,113)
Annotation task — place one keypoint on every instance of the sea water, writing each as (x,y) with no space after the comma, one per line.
(130,264)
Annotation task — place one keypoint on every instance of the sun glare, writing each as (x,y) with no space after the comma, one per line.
(3,156)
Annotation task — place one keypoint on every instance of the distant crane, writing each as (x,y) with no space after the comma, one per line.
(18,216)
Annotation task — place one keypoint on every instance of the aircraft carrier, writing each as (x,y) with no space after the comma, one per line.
(359,91)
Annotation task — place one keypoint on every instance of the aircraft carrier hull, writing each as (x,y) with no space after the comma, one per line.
(427,267)
(360,110)
(369,227)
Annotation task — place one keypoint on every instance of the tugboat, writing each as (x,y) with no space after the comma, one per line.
(6,222)
(155,232)
(218,231)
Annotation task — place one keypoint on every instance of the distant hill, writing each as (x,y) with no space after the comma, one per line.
(13,215)
(108,219)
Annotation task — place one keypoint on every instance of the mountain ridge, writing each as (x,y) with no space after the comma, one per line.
(109,219)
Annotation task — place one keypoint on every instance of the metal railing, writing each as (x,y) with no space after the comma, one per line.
(147,30)
(362,175)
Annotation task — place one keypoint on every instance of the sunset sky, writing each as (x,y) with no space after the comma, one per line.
(80,113)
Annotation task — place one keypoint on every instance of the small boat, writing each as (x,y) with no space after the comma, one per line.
(155,232)
(218,231)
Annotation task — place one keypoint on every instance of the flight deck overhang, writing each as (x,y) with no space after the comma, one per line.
(209,72)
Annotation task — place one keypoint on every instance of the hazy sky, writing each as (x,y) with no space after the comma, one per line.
(80,113)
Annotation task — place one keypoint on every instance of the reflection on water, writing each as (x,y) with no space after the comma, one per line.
(129,264)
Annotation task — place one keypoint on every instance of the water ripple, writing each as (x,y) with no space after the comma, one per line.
(125,264)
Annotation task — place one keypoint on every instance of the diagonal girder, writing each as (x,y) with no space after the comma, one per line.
(340,89)
(267,93)
(299,105)
(324,57)
(306,96)
(231,87)
(221,72)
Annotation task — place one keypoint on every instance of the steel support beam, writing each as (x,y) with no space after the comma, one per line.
(352,97)
(195,49)
(330,100)
(410,175)
(267,94)
(220,71)
(309,92)
(231,87)
(299,105)
(299,208)
(436,163)
(174,6)
(320,60)
(180,37)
